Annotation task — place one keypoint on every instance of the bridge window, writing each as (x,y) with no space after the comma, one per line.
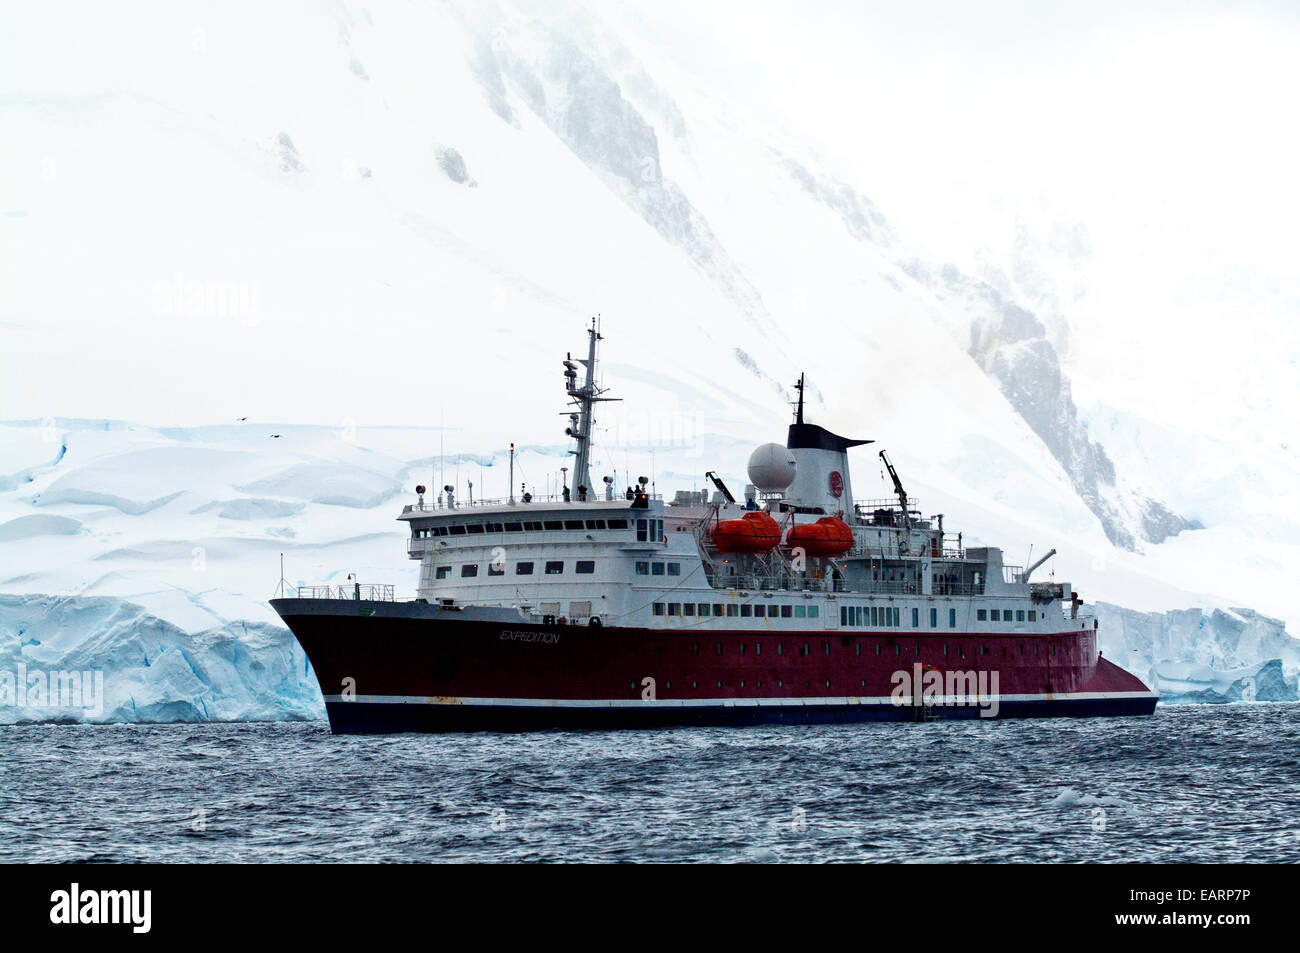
(1020,615)
(718,609)
(474,528)
(800,612)
(469,570)
(554,567)
(674,608)
(573,524)
(643,567)
(688,608)
(674,569)
(760,610)
(442,572)
(616,524)
(702,608)
(787,611)
(585,567)
(982,615)
(523,569)
(641,531)
(659,608)
(746,610)
(595,524)
(732,609)
(552,524)
(657,569)
(533,526)
(812,612)
(993,614)
(1033,615)
(457,530)
(514,527)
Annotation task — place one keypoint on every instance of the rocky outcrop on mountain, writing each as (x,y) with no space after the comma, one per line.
(860,216)
(584,105)
(453,165)
(1011,345)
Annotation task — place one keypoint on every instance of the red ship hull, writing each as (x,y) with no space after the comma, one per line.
(386,667)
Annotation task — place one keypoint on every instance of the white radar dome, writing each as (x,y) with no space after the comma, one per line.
(771,468)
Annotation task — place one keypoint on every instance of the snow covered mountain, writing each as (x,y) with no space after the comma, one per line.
(385,226)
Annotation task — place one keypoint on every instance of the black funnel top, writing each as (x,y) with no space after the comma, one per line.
(804,436)
(811,437)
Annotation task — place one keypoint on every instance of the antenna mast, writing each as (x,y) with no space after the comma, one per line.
(582,420)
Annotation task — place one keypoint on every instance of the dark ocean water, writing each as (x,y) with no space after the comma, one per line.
(1194,783)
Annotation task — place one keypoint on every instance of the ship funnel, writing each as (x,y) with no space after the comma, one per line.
(821,480)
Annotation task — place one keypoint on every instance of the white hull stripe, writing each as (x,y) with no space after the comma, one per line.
(821,702)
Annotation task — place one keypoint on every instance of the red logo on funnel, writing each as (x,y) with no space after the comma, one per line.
(837,484)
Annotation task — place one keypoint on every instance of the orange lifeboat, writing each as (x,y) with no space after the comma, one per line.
(752,533)
(829,536)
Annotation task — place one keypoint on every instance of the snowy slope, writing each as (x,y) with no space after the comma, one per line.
(353,217)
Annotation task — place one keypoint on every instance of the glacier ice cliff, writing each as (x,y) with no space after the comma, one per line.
(152,670)
(1188,655)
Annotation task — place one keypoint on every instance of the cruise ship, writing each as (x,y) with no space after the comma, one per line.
(603,607)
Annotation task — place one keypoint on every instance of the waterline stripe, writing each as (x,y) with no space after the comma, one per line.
(812,702)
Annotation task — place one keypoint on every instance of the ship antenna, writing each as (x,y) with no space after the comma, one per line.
(798,412)
(584,397)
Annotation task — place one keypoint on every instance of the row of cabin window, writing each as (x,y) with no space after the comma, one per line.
(872,615)
(886,616)
(645,567)
(993,615)
(517,526)
(583,567)
(857,648)
(744,610)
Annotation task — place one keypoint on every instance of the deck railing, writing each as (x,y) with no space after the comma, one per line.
(364,592)
(534,500)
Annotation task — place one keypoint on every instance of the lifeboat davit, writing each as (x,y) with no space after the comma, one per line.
(829,536)
(752,533)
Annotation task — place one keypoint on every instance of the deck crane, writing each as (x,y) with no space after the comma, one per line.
(902,500)
(722,487)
